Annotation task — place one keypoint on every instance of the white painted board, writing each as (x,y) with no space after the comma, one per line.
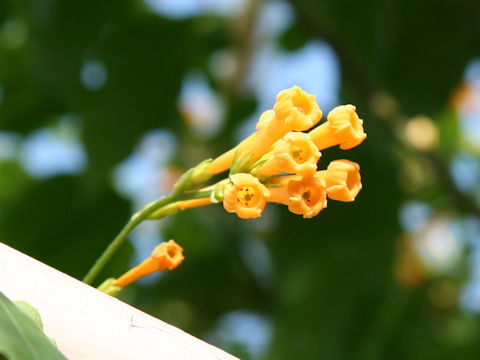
(88,324)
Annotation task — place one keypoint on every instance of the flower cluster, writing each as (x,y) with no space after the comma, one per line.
(278,163)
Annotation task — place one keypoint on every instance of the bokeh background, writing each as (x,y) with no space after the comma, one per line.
(104,103)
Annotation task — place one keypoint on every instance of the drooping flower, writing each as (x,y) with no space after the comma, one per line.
(295,153)
(303,196)
(342,180)
(245,195)
(167,255)
(343,127)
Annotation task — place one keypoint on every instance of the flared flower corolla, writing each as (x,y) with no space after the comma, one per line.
(295,153)
(303,196)
(307,196)
(245,195)
(296,110)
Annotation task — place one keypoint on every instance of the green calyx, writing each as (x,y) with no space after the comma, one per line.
(109,287)
(194,177)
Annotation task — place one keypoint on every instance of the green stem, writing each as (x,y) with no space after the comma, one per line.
(136,219)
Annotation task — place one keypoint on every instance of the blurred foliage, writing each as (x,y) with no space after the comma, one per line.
(331,292)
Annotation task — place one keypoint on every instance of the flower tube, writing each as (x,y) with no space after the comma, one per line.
(342,180)
(224,161)
(167,255)
(245,195)
(189,204)
(175,207)
(265,119)
(295,153)
(343,127)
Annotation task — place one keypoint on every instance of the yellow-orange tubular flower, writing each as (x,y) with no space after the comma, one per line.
(343,127)
(303,196)
(294,110)
(167,255)
(342,180)
(294,154)
(245,195)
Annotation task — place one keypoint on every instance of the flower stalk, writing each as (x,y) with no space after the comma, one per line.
(136,219)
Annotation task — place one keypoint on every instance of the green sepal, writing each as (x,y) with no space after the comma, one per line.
(216,195)
(170,209)
(109,287)
(193,177)
(240,163)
